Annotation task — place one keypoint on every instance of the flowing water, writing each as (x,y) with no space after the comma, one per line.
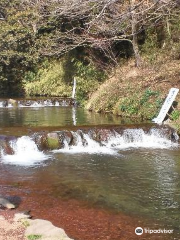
(135,171)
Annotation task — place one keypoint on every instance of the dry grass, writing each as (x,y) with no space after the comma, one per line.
(130,82)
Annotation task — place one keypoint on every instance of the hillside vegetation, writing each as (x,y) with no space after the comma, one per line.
(139,93)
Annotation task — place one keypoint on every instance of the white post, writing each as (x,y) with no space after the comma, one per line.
(166,105)
(74,88)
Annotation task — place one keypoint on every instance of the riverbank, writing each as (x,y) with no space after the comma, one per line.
(80,220)
(10,230)
(137,92)
(19,226)
(80,223)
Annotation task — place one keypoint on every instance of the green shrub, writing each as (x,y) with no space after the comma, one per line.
(56,79)
(34,237)
(175,115)
(142,104)
(88,80)
(48,81)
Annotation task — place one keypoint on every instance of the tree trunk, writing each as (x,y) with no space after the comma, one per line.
(134,34)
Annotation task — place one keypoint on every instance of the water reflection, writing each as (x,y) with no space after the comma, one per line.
(74,116)
(167,179)
(53,116)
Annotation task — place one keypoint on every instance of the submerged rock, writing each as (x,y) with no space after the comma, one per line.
(6,203)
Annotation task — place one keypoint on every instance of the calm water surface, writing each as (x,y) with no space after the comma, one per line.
(53,116)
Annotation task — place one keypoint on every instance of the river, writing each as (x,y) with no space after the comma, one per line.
(134,172)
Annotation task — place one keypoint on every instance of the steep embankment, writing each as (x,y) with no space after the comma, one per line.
(138,93)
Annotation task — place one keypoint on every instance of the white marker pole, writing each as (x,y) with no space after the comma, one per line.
(166,105)
(74,88)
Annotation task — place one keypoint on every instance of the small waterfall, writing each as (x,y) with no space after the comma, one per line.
(26,153)
(137,138)
(25,150)
(36,103)
(83,143)
(111,144)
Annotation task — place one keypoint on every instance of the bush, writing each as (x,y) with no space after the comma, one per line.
(56,79)
(88,80)
(142,104)
(48,81)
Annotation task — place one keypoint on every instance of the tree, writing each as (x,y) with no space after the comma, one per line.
(34,29)
(18,47)
(99,24)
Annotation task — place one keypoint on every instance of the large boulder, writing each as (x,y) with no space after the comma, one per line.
(50,141)
(53,141)
(45,230)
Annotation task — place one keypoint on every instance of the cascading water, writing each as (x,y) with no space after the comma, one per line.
(130,138)
(131,170)
(93,141)
(26,153)
(10,103)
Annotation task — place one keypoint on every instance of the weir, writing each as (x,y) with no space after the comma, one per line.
(37,102)
(34,149)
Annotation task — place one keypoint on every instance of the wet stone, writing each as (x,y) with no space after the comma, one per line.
(6,203)
(41,141)
(5,103)
(53,141)
(102,135)
(78,137)
(68,137)
(5,146)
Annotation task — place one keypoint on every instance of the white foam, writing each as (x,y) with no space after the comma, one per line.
(9,105)
(36,104)
(26,153)
(90,147)
(137,138)
(131,138)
